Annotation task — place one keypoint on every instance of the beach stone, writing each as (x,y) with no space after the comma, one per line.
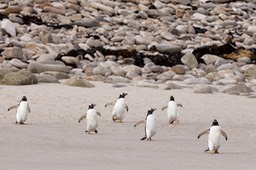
(80,82)
(190,60)
(39,68)
(203,90)
(178,69)
(201,80)
(221,61)
(57,75)
(225,81)
(227,66)
(12,52)
(94,78)
(8,27)
(131,75)
(70,60)
(44,78)
(238,89)
(117,79)
(209,58)
(156,69)
(165,76)
(101,70)
(245,60)
(132,68)
(182,77)
(252,29)
(145,83)
(249,71)
(172,86)
(19,64)
(168,48)
(117,71)
(22,77)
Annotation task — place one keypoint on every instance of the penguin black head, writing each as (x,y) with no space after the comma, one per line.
(24,98)
(215,123)
(122,95)
(91,106)
(171,98)
(150,111)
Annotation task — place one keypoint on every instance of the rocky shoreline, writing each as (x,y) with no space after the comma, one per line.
(193,43)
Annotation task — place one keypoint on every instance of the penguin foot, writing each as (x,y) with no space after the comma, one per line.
(143,138)
(171,122)
(16,122)
(96,131)
(206,150)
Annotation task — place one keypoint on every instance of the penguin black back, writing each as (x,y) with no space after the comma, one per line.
(215,123)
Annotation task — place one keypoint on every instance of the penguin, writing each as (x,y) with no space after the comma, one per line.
(150,125)
(92,119)
(172,111)
(22,111)
(119,108)
(214,137)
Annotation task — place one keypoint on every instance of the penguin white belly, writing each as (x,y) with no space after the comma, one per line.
(151,126)
(172,111)
(22,112)
(92,120)
(214,138)
(119,109)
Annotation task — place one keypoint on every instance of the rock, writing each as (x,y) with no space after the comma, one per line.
(101,70)
(238,89)
(201,80)
(165,76)
(12,52)
(8,27)
(190,60)
(80,82)
(39,68)
(44,78)
(22,77)
(131,75)
(69,60)
(117,79)
(209,58)
(178,69)
(156,69)
(245,60)
(249,71)
(252,29)
(172,86)
(203,89)
(117,71)
(132,68)
(168,48)
(145,83)
(19,64)
(57,75)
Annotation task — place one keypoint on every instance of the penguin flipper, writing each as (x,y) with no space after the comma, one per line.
(29,109)
(126,107)
(81,118)
(224,134)
(203,133)
(98,113)
(179,104)
(13,107)
(143,138)
(110,103)
(164,107)
(139,122)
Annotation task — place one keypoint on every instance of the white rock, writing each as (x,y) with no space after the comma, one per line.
(9,27)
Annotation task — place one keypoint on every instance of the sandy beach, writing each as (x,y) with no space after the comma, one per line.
(53,139)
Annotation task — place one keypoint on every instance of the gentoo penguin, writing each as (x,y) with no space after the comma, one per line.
(119,108)
(150,126)
(92,119)
(215,133)
(22,111)
(172,111)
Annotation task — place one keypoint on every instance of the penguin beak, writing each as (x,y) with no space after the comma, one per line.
(125,94)
(153,109)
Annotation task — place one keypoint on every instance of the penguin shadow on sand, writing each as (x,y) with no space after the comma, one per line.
(119,108)
(23,110)
(172,111)
(150,125)
(214,137)
(91,116)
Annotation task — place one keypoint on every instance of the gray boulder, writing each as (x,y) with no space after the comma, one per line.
(22,77)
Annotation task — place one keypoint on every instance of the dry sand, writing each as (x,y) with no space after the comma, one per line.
(53,139)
